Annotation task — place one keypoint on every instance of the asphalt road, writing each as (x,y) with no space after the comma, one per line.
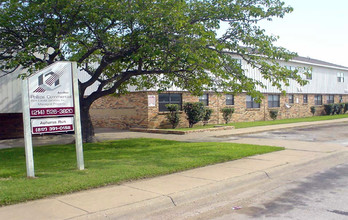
(323,195)
(313,193)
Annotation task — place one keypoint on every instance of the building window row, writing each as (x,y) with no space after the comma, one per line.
(273,100)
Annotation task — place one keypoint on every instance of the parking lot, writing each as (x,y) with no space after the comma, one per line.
(332,133)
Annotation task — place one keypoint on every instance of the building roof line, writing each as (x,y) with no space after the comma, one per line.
(307,60)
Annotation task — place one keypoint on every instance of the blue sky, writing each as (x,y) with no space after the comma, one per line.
(316,29)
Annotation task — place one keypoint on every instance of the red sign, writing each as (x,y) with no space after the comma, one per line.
(52,125)
(52,129)
(44,112)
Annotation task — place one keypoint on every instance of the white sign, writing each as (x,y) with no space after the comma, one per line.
(52,125)
(51,91)
(151,100)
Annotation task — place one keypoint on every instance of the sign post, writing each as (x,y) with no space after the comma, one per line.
(29,159)
(51,104)
(78,131)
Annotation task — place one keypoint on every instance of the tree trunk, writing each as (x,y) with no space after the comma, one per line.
(87,126)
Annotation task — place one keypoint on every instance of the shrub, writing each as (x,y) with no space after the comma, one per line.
(345,107)
(227,114)
(329,109)
(273,114)
(341,107)
(333,109)
(313,109)
(207,115)
(195,112)
(336,109)
(173,116)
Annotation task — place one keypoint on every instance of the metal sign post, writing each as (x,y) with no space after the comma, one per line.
(78,130)
(51,104)
(27,130)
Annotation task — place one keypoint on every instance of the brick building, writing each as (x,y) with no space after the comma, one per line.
(327,84)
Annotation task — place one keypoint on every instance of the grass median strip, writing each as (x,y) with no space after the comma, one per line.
(107,163)
(264,123)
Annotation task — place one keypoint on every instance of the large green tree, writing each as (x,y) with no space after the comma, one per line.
(145,43)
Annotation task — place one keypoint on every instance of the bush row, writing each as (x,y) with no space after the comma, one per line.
(335,109)
(195,112)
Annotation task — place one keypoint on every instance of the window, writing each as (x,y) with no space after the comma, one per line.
(291,99)
(273,101)
(204,99)
(318,100)
(305,99)
(291,68)
(235,65)
(309,75)
(330,99)
(340,77)
(238,61)
(229,99)
(341,98)
(250,102)
(169,98)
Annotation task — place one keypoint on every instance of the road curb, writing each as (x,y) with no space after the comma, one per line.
(234,185)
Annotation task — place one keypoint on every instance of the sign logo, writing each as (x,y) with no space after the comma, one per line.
(48,81)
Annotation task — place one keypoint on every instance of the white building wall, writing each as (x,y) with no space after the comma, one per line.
(10,93)
(324,80)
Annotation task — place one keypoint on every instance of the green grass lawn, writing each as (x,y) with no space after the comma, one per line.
(263,123)
(107,163)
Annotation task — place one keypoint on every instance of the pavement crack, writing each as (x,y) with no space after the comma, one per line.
(172,200)
(338,212)
(267,175)
(194,177)
(144,190)
(73,206)
(312,151)
(248,158)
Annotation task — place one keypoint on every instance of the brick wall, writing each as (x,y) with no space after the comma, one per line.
(132,110)
(122,112)
(158,119)
(11,125)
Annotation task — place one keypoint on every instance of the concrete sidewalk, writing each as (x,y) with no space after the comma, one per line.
(128,200)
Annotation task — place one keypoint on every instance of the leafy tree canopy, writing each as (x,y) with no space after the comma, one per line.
(146,43)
